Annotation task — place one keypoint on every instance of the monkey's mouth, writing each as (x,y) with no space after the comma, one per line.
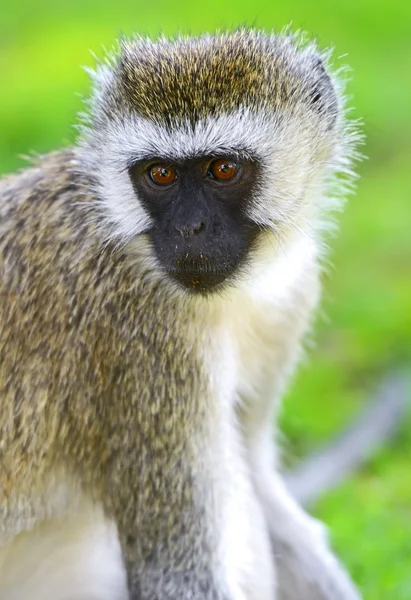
(201,276)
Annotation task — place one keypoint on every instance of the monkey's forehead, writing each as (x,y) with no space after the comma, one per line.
(205,76)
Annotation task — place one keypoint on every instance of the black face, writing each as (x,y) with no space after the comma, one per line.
(201,233)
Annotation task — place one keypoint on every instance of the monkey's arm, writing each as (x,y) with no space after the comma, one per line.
(306,566)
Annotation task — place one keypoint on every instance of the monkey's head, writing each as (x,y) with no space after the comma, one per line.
(203,149)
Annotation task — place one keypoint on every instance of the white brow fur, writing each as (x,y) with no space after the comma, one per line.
(296,165)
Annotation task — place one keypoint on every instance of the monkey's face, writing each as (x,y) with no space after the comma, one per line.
(200,230)
(198,150)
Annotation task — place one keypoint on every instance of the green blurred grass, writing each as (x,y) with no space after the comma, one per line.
(364,329)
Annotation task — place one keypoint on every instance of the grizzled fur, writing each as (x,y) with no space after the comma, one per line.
(74,328)
(120,391)
(170,80)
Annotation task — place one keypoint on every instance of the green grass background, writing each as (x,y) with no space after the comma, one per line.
(365,326)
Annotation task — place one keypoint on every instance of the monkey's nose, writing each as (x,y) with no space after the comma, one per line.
(188,230)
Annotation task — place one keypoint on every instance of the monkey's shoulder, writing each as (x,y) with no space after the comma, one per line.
(40,199)
(44,212)
(47,176)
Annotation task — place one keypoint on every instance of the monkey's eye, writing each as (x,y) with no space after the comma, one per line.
(223,169)
(163,174)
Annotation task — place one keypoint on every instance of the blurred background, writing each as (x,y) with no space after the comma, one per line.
(364,329)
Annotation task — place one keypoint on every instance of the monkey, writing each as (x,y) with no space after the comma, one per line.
(157,281)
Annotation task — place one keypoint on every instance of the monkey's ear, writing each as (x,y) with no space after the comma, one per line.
(322,94)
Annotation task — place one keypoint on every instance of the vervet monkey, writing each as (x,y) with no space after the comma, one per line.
(156,283)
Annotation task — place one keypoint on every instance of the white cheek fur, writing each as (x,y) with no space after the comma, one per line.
(299,161)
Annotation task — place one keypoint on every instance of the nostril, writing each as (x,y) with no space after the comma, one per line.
(198,228)
(188,231)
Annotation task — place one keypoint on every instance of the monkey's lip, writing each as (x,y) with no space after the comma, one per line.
(197,280)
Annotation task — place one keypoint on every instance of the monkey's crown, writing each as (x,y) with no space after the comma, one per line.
(197,77)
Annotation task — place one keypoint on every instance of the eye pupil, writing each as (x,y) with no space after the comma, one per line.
(223,169)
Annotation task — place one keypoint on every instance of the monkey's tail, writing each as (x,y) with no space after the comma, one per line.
(378,421)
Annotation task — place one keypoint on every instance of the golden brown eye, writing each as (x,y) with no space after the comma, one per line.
(163,174)
(223,169)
